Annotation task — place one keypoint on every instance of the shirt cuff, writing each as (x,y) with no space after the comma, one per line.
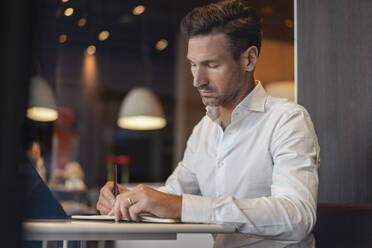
(197,209)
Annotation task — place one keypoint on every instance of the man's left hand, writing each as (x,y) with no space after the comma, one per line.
(143,199)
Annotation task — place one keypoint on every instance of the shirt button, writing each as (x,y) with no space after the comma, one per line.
(220,163)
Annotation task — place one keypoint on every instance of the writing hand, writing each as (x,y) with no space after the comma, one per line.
(143,199)
(106,199)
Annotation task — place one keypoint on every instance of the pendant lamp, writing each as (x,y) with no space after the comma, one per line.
(42,105)
(141,110)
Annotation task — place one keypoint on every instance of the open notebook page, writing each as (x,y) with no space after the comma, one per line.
(144,218)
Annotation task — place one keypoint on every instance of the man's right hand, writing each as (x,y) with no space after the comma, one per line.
(107,199)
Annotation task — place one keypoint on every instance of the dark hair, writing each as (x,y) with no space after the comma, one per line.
(239,22)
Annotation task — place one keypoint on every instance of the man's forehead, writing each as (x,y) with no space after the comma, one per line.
(208,46)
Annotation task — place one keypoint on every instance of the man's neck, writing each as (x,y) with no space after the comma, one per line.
(226,109)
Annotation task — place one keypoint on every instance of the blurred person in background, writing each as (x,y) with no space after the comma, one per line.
(33,154)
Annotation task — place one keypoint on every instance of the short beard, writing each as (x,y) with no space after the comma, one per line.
(229,95)
(220,100)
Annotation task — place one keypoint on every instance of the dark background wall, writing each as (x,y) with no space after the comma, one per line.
(335,85)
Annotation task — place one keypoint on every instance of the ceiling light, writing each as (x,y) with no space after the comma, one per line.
(161,44)
(69,11)
(91,50)
(138,10)
(62,38)
(82,22)
(127,19)
(141,110)
(288,23)
(103,35)
(267,10)
(65,1)
(42,105)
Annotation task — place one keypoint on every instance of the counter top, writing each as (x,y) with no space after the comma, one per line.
(108,230)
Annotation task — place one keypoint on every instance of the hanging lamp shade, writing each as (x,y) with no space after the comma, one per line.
(42,104)
(141,110)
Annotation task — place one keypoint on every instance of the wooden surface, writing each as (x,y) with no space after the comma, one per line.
(101,230)
(335,85)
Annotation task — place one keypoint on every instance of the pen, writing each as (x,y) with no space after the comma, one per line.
(115,179)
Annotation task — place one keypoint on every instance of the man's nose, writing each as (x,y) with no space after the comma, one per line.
(200,78)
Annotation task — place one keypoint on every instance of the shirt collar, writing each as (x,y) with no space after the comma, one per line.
(254,101)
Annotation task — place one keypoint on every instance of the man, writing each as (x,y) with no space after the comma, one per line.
(252,161)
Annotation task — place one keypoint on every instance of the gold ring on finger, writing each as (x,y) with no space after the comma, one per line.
(130,201)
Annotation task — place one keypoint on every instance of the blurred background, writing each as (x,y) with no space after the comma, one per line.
(89,55)
(72,66)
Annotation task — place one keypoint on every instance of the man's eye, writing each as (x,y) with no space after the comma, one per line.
(212,66)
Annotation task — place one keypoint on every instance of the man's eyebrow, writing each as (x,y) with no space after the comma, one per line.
(204,61)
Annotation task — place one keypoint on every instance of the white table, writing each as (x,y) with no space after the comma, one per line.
(98,230)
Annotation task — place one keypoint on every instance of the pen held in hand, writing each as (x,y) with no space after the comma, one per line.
(115,180)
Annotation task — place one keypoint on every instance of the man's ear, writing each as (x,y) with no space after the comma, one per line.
(249,58)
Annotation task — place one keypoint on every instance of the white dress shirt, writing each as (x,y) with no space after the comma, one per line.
(260,174)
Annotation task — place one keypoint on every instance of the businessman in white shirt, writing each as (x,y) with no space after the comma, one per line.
(252,161)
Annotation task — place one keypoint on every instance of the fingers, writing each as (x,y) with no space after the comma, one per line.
(116,211)
(107,194)
(106,198)
(125,212)
(102,209)
(135,210)
(121,206)
(103,205)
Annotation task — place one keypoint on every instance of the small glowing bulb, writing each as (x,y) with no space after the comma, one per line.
(288,23)
(82,22)
(138,10)
(161,44)
(91,50)
(267,10)
(58,12)
(65,1)
(62,38)
(69,11)
(103,35)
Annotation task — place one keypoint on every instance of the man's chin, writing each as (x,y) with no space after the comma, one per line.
(211,102)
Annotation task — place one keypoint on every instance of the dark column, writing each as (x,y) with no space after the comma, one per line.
(335,85)
(15,71)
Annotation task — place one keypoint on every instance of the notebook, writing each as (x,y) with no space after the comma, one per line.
(144,218)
